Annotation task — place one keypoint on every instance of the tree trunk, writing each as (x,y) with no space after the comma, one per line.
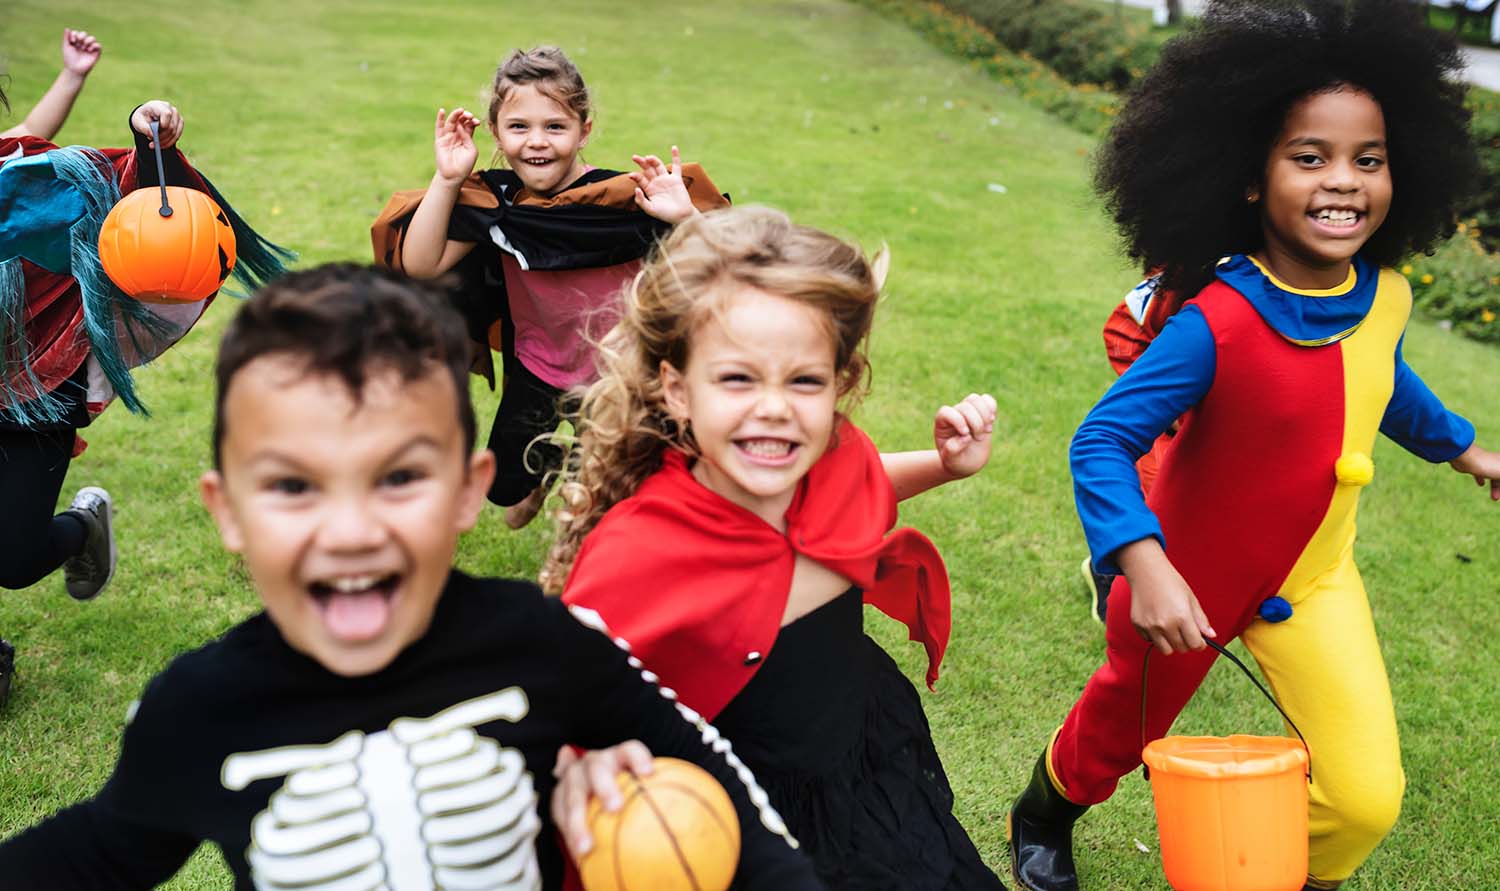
(1174,12)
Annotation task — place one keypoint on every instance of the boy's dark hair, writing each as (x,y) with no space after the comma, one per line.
(1194,134)
(348,320)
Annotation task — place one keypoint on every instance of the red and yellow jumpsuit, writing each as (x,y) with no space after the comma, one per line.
(1281,393)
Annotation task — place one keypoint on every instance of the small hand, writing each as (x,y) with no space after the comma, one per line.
(962,434)
(453,144)
(1163,609)
(165,113)
(592,776)
(659,189)
(1483,465)
(80,51)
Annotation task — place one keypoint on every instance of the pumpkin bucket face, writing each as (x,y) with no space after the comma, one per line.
(182,258)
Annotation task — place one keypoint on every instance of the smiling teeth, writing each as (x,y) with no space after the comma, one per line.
(1337,217)
(352,583)
(766,448)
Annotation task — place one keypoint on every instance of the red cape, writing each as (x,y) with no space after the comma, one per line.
(697,585)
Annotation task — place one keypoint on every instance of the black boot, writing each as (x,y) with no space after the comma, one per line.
(1040,829)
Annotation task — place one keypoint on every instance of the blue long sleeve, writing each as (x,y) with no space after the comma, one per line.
(1172,376)
(1418,421)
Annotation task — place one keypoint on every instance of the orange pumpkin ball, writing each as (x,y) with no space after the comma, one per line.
(676,831)
(182,258)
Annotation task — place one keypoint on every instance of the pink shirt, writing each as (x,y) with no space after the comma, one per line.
(560,314)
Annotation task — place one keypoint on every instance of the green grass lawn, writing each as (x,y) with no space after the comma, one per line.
(307,115)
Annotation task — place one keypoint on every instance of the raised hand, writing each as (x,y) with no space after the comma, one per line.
(962,434)
(659,189)
(80,51)
(163,112)
(453,144)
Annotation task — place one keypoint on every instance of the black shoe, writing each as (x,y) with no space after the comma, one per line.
(7,669)
(1040,831)
(1098,585)
(87,572)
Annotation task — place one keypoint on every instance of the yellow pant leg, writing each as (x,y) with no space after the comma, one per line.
(1325,667)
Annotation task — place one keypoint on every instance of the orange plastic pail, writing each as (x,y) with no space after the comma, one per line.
(1231,811)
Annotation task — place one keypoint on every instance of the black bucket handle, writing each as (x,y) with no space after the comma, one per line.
(1146,664)
(161,176)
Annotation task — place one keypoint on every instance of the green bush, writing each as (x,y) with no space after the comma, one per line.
(1459,284)
(1484,208)
(1084,41)
(1085,107)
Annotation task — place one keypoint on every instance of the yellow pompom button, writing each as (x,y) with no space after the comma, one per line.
(1354,469)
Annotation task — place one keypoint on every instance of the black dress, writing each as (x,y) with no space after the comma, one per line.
(837,737)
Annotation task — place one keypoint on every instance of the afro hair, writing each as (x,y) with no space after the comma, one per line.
(1194,134)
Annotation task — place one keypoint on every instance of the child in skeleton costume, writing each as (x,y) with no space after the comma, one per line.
(730,523)
(558,239)
(69,336)
(1316,143)
(387,721)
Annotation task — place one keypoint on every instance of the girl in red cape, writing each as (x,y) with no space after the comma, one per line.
(728,523)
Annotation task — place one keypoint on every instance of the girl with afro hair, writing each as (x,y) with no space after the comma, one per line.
(1277,161)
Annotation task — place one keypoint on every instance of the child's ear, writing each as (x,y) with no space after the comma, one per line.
(476,486)
(211,490)
(588,127)
(673,390)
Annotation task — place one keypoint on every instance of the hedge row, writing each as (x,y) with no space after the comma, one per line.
(1085,107)
(1084,41)
(1459,283)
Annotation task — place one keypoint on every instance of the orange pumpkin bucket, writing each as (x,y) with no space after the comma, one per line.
(179,251)
(1231,811)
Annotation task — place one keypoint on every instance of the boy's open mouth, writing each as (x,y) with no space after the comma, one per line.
(772,452)
(356,607)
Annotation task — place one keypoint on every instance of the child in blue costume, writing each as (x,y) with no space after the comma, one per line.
(1315,143)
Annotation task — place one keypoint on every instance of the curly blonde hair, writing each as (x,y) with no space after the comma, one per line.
(623,426)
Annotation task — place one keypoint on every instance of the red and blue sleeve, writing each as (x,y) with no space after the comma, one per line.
(1170,377)
(1418,421)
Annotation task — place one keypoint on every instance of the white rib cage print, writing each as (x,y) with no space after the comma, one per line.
(710,734)
(426,804)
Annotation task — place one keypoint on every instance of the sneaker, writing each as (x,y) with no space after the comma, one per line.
(7,669)
(525,510)
(1098,585)
(88,571)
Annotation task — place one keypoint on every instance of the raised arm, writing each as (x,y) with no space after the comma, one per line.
(961,435)
(427,251)
(80,51)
